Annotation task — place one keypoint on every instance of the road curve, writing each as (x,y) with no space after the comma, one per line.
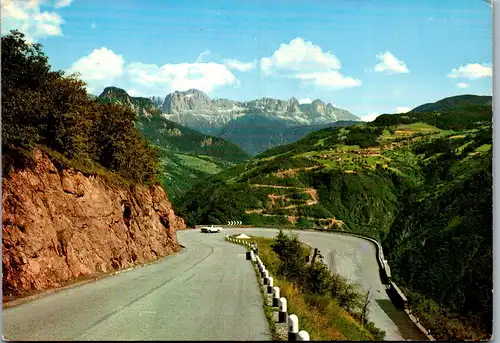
(355,258)
(207,292)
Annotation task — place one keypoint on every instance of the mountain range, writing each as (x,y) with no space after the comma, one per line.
(187,156)
(254,125)
(193,108)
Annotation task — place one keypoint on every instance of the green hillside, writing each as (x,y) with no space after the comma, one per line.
(255,133)
(454,101)
(420,182)
(186,156)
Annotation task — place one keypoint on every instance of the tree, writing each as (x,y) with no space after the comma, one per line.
(25,69)
(47,108)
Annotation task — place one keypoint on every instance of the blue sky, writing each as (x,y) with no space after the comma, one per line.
(367,56)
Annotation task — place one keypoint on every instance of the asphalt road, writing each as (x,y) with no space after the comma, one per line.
(355,258)
(207,292)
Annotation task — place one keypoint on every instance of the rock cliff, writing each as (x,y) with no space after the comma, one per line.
(194,109)
(59,225)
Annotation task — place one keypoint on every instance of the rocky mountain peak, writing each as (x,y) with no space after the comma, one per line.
(116,94)
(195,109)
(191,99)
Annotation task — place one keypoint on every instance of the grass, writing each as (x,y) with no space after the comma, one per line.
(419,126)
(86,168)
(200,164)
(320,142)
(321,317)
(307,154)
(484,148)
(408,130)
(462,147)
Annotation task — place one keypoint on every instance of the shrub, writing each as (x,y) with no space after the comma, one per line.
(321,289)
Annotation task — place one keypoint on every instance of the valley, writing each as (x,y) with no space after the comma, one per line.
(186,156)
(419,182)
(199,137)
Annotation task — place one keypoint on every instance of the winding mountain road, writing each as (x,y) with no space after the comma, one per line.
(355,258)
(209,291)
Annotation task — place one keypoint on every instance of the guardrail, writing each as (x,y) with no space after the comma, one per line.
(397,296)
(272,294)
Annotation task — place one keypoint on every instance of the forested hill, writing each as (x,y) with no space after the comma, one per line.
(168,134)
(452,102)
(421,182)
(186,156)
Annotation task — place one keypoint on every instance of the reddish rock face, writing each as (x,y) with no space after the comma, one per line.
(61,225)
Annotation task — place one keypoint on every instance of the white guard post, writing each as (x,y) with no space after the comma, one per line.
(276,296)
(293,327)
(282,314)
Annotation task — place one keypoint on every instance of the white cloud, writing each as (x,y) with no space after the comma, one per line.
(390,64)
(305,101)
(183,76)
(26,16)
(240,66)
(307,62)
(471,71)
(99,69)
(330,79)
(462,85)
(103,67)
(62,3)
(93,25)
(403,109)
(133,92)
(201,57)
(299,55)
(369,117)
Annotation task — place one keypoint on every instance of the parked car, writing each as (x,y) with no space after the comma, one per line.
(211,229)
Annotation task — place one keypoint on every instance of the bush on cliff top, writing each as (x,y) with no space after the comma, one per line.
(46,108)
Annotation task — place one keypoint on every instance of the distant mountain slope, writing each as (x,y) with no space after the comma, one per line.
(420,182)
(447,104)
(256,133)
(187,155)
(254,125)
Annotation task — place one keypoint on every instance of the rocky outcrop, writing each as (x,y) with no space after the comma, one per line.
(59,225)
(194,109)
(144,107)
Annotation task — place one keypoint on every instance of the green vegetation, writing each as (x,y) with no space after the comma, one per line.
(47,109)
(328,306)
(420,182)
(186,156)
(256,132)
(453,102)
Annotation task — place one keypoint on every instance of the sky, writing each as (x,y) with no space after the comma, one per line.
(366,56)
